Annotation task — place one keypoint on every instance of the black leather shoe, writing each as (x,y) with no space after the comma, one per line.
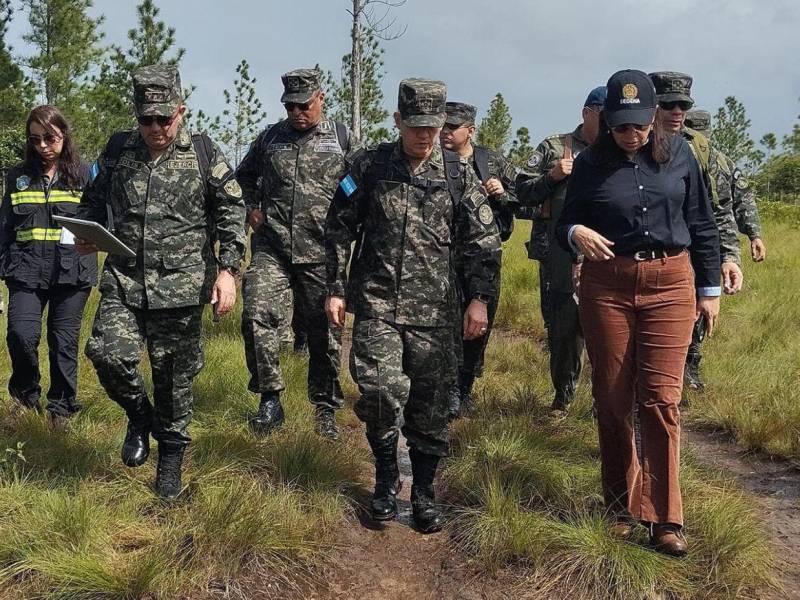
(168,473)
(427,515)
(387,479)
(270,414)
(325,423)
(136,447)
(30,402)
(691,373)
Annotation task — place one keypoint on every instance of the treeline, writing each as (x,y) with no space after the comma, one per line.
(67,63)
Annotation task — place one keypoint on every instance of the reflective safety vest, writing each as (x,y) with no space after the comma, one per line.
(31,248)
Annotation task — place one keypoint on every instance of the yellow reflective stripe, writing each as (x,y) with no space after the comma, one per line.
(40,198)
(27,198)
(39,234)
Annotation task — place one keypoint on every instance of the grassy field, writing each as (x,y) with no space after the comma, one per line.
(525,492)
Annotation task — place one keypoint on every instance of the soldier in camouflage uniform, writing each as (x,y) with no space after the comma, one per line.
(673,91)
(410,209)
(169,196)
(300,161)
(544,188)
(743,195)
(497,176)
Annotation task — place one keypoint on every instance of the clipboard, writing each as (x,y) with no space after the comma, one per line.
(95,233)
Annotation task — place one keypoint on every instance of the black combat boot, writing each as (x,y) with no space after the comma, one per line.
(427,515)
(168,473)
(300,345)
(561,401)
(691,373)
(325,422)
(453,402)
(387,478)
(270,414)
(136,447)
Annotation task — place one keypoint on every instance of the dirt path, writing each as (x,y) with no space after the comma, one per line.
(775,484)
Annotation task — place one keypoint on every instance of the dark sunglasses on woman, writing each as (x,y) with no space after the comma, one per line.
(47,138)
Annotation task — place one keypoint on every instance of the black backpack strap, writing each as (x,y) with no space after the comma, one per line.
(111,154)
(455,180)
(481,157)
(343,135)
(204,149)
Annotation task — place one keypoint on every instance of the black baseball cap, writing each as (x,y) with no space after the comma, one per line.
(631,99)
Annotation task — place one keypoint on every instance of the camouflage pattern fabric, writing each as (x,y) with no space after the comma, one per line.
(299,85)
(161,210)
(409,237)
(172,338)
(157,90)
(403,375)
(299,172)
(290,176)
(268,284)
(164,211)
(422,102)
(459,113)
(717,174)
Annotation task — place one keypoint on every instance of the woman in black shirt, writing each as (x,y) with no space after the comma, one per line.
(639,213)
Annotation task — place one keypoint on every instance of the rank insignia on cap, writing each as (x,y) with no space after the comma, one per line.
(293,83)
(629,91)
(534,160)
(485,214)
(23,182)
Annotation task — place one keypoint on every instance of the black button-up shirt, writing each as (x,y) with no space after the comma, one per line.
(640,204)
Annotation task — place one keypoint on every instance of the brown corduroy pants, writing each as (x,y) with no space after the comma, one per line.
(637,318)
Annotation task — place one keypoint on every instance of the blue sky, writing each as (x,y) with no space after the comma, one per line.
(543,56)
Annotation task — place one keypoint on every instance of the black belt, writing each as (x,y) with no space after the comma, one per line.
(652,254)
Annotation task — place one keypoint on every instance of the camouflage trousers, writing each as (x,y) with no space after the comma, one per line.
(265,314)
(173,340)
(474,351)
(403,375)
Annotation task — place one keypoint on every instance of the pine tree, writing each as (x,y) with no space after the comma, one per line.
(243,118)
(494,130)
(339,97)
(731,134)
(64,38)
(16,96)
(521,148)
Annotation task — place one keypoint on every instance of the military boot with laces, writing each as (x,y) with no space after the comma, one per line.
(387,478)
(325,423)
(270,414)
(427,514)
(168,473)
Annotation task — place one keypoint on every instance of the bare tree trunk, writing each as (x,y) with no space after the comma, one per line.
(355,71)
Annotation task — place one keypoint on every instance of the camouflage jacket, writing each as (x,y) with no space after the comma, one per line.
(743,196)
(534,188)
(171,218)
(500,168)
(298,173)
(717,174)
(409,232)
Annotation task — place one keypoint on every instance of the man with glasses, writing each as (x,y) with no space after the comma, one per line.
(299,162)
(743,195)
(497,176)
(544,188)
(673,91)
(171,197)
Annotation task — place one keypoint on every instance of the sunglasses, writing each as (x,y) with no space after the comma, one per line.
(163,122)
(48,138)
(682,104)
(627,127)
(452,127)
(290,106)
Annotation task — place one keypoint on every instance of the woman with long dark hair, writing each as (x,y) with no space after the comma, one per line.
(40,265)
(638,211)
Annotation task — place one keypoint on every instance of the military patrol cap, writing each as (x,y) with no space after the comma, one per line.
(459,113)
(597,96)
(631,99)
(699,120)
(157,90)
(421,102)
(672,86)
(299,85)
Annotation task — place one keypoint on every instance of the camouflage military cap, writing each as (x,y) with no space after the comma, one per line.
(699,120)
(421,102)
(459,113)
(672,86)
(157,90)
(299,85)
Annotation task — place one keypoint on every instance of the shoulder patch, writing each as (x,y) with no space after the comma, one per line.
(23,182)
(535,159)
(348,186)
(485,214)
(220,170)
(232,188)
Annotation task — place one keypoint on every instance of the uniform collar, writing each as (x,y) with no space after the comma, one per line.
(435,160)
